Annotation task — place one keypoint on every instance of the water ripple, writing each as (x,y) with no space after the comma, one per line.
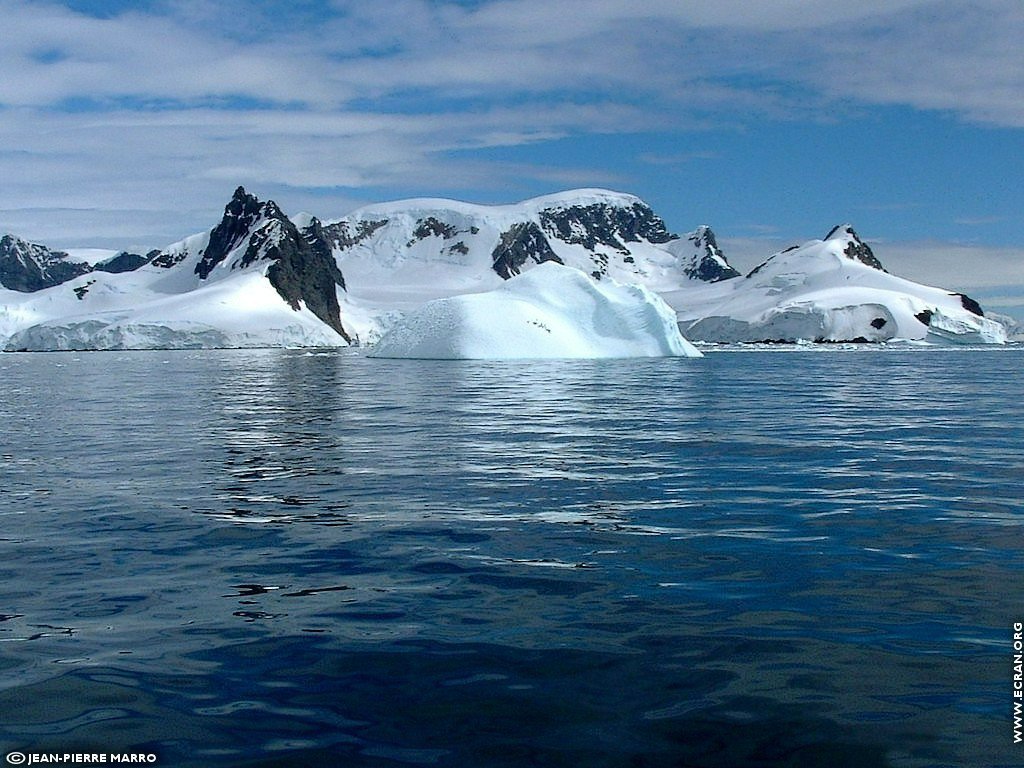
(322,559)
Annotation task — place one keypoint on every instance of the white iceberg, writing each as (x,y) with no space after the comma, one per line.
(551,311)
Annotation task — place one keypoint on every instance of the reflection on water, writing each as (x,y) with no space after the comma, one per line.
(295,558)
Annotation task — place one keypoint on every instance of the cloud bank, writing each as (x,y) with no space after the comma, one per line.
(151,114)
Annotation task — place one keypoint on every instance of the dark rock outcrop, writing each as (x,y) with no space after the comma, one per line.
(431,227)
(125,262)
(304,271)
(344,234)
(599,223)
(711,266)
(28,267)
(521,243)
(241,216)
(970,305)
(856,248)
(168,259)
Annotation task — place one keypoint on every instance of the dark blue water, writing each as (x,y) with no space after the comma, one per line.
(279,558)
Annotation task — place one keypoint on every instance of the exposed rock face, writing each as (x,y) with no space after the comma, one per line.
(833,290)
(612,226)
(520,243)
(709,263)
(168,259)
(304,270)
(856,248)
(241,216)
(344,234)
(600,232)
(28,267)
(432,227)
(970,305)
(397,254)
(125,262)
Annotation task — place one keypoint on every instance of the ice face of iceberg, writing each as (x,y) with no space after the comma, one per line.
(965,329)
(551,311)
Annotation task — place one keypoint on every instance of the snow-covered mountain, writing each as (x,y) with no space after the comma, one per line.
(403,253)
(29,267)
(834,289)
(260,278)
(253,280)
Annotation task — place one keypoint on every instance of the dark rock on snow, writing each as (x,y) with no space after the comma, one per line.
(522,242)
(28,267)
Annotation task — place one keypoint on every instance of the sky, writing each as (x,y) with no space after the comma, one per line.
(129,124)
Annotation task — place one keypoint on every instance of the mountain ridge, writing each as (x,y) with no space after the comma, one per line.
(354,273)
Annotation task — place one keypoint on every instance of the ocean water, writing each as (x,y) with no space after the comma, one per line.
(294,558)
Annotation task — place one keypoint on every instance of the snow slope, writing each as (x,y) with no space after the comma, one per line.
(828,290)
(242,312)
(551,311)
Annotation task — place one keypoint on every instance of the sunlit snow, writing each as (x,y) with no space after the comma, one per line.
(552,311)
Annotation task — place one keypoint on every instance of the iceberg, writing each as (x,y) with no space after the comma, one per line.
(550,311)
(943,329)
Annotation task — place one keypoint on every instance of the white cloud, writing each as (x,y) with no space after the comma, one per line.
(402,93)
(961,56)
(51,54)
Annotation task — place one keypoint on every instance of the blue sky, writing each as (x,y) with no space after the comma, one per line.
(128,124)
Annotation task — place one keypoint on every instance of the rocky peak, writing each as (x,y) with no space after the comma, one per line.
(854,248)
(707,263)
(28,267)
(242,216)
(604,223)
(314,230)
(302,268)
